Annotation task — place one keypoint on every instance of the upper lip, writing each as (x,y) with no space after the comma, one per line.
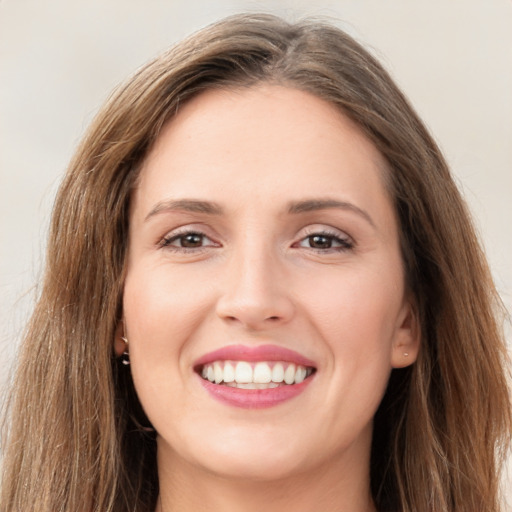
(254,353)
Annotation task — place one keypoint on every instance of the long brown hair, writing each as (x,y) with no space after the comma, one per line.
(76,436)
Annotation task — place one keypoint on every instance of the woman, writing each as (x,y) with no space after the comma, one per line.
(263,291)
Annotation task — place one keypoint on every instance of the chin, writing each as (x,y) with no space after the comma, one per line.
(256,468)
(250,456)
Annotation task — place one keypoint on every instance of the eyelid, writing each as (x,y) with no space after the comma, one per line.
(345,241)
(165,242)
(168,241)
(322,229)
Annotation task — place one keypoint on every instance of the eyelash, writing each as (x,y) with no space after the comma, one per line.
(168,241)
(343,243)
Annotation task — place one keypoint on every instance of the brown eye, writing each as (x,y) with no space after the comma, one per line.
(320,241)
(191,240)
(326,242)
(187,240)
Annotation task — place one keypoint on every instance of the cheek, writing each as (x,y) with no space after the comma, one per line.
(159,318)
(355,315)
(354,310)
(160,307)
(161,314)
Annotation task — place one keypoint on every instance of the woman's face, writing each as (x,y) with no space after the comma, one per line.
(264,247)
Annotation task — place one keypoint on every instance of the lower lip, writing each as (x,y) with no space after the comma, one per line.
(254,398)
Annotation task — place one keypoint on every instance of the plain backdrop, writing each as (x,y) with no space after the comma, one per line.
(60,59)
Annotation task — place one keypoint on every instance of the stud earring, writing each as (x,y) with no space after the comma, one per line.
(125,357)
(406,354)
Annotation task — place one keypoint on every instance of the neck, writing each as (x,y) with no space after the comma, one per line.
(341,485)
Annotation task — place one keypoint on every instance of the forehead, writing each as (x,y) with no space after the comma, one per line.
(261,142)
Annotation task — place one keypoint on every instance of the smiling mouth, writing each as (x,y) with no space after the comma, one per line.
(254,375)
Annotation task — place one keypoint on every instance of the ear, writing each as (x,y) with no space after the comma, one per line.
(406,344)
(119,344)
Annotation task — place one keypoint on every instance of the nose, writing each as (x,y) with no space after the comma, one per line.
(254,291)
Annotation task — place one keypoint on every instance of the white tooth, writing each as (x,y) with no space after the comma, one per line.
(289,374)
(278,373)
(255,385)
(229,372)
(243,372)
(266,385)
(218,373)
(300,374)
(247,385)
(210,373)
(252,385)
(262,373)
(204,372)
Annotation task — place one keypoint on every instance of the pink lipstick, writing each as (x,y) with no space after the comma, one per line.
(254,377)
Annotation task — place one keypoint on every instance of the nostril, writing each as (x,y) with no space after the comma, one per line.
(233,318)
(255,312)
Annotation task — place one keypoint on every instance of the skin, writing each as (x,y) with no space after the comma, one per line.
(257,277)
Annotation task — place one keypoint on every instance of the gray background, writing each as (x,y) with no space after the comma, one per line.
(59,60)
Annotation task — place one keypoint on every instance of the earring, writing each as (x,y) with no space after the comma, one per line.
(406,354)
(125,357)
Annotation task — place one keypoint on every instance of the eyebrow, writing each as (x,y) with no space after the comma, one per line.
(310,205)
(187,205)
(295,207)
